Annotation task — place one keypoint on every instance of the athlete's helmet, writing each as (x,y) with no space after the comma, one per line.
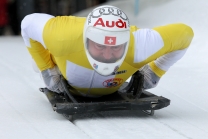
(106,38)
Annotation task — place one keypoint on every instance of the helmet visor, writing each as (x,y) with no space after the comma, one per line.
(106,53)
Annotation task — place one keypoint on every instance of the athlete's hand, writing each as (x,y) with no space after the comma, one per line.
(150,78)
(52,79)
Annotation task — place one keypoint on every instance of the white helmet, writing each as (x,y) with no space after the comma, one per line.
(106,38)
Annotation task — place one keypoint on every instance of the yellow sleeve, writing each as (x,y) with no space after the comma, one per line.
(59,36)
(62,34)
(41,56)
(176,37)
(31,30)
(159,72)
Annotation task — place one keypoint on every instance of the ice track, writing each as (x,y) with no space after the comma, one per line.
(26,113)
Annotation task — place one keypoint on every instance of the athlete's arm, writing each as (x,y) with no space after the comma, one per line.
(161,47)
(176,38)
(32,29)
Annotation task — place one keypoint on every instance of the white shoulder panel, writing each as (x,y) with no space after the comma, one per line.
(32,27)
(147,42)
(166,61)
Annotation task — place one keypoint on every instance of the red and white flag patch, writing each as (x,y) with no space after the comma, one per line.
(110,40)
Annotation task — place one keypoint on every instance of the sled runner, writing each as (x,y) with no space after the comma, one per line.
(130,96)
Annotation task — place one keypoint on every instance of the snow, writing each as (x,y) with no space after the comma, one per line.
(26,113)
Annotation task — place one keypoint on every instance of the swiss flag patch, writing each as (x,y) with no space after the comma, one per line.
(110,40)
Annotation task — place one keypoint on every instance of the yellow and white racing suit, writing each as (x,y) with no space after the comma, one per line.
(59,41)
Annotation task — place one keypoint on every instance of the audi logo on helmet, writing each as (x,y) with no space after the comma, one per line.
(109,11)
(119,23)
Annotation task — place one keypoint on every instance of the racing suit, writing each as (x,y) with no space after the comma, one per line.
(58,41)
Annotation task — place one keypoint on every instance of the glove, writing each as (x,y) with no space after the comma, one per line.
(52,79)
(150,78)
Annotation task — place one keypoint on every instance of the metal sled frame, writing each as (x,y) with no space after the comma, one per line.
(130,96)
